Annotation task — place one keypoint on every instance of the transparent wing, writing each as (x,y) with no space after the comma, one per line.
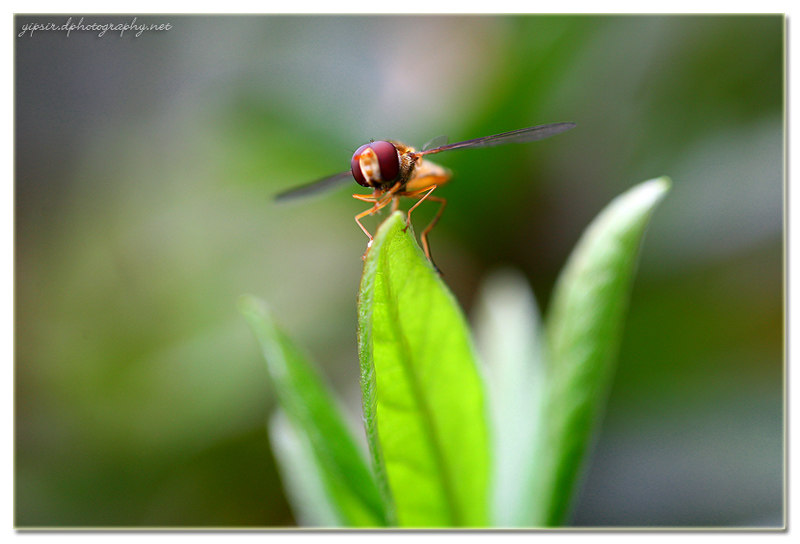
(530,134)
(439,141)
(317,186)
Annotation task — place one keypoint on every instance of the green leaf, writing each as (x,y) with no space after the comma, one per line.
(423,397)
(302,479)
(510,340)
(584,326)
(313,412)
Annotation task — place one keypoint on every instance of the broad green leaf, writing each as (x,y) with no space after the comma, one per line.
(302,479)
(583,326)
(510,340)
(312,411)
(423,397)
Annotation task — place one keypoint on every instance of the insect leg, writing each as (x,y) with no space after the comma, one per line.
(427,191)
(358,220)
(365,198)
(380,199)
(379,204)
(424,236)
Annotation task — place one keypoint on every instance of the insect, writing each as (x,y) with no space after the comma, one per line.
(394,170)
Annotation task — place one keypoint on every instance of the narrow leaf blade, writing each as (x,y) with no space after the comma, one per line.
(302,480)
(423,397)
(583,326)
(510,339)
(312,410)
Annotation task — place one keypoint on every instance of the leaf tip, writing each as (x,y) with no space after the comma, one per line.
(250,305)
(394,220)
(653,190)
(390,231)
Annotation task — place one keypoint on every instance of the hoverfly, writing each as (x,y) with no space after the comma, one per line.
(394,170)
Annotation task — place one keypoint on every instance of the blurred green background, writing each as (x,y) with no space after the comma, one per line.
(145,169)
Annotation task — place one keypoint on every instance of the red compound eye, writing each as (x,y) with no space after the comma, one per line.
(388,163)
(355,167)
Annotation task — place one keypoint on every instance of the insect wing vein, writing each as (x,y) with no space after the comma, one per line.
(316,186)
(523,135)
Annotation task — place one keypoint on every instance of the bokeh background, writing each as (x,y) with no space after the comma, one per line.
(145,170)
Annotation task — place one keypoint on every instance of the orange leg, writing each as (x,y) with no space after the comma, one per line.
(380,203)
(427,191)
(380,199)
(424,236)
(366,198)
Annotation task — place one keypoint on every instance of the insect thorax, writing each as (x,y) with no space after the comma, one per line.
(408,164)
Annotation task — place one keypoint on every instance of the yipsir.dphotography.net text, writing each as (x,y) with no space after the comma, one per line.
(99,27)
